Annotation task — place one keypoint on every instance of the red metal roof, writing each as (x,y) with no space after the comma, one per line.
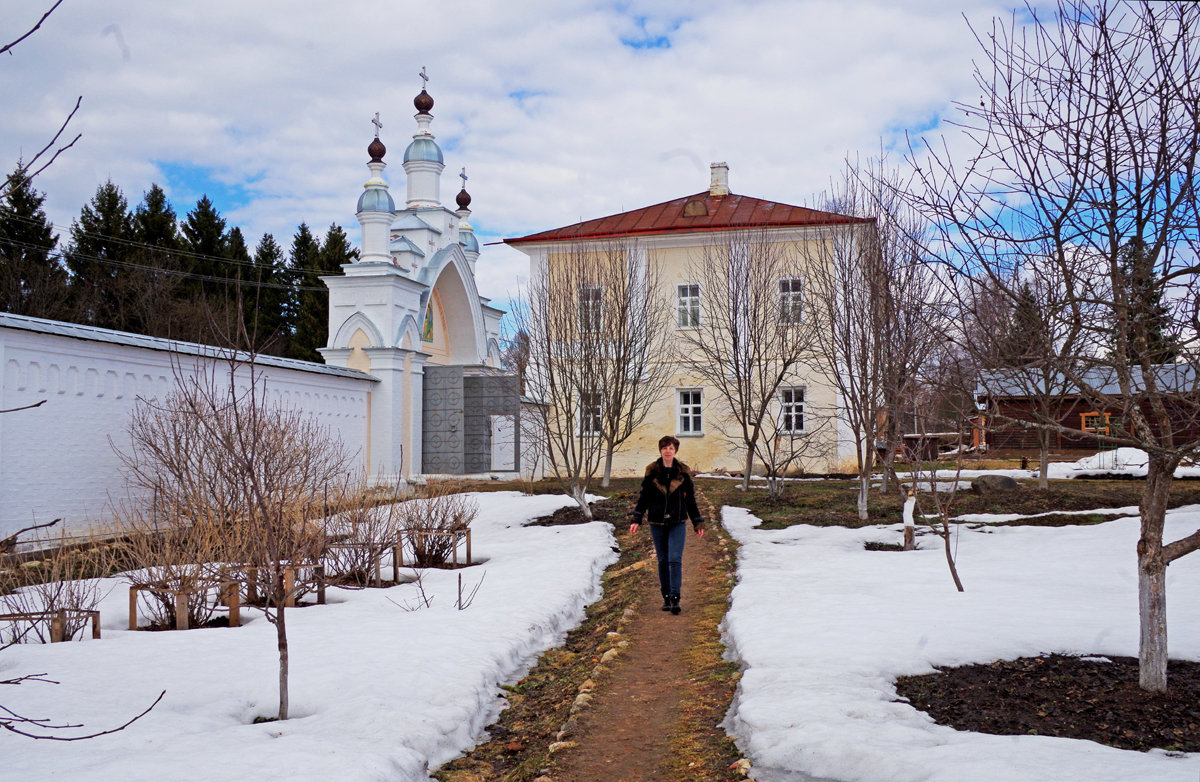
(699,212)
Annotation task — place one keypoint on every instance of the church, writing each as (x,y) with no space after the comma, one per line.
(411,380)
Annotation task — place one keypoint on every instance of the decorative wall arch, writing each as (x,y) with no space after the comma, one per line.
(409,334)
(353,323)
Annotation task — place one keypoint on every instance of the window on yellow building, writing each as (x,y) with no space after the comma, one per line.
(691,417)
(687,297)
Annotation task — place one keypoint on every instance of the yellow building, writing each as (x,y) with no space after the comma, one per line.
(674,239)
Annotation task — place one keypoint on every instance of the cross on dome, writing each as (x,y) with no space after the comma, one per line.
(378,125)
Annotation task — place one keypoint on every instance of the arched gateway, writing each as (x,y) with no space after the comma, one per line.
(408,312)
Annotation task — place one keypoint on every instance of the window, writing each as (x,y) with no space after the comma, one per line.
(1097,423)
(690,417)
(591,308)
(791,409)
(789,300)
(687,297)
(590,413)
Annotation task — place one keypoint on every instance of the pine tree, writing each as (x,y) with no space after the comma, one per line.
(32,280)
(100,241)
(311,319)
(207,243)
(1147,316)
(266,308)
(160,307)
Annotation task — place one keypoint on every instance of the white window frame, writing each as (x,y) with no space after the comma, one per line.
(590,308)
(687,305)
(689,414)
(790,408)
(591,416)
(791,300)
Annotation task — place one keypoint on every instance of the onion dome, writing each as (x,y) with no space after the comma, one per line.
(376,150)
(468,241)
(376,199)
(463,199)
(423,148)
(423,102)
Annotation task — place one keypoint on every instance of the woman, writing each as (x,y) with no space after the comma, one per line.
(670,498)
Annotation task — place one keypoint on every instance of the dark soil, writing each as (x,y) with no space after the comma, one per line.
(1070,697)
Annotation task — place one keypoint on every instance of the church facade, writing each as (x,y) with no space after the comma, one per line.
(408,313)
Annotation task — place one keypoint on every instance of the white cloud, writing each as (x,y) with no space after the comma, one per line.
(555,115)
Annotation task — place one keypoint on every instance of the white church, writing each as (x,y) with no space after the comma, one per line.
(411,379)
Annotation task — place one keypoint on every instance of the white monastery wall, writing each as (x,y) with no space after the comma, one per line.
(58,460)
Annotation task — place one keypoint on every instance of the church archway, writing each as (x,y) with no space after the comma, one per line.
(453,306)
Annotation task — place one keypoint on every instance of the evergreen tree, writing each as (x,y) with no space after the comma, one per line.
(267,309)
(160,307)
(1146,315)
(100,240)
(32,280)
(1025,340)
(206,243)
(311,318)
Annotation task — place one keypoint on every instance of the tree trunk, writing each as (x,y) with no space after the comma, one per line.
(1152,578)
(950,555)
(864,484)
(281,637)
(749,467)
(580,497)
(1044,459)
(608,457)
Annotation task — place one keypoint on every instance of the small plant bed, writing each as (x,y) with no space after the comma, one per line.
(875,545)
(1091,698)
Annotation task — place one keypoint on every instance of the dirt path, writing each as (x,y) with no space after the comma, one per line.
(631,733)
(636,694)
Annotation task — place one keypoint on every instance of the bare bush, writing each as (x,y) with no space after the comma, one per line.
(63,577)
(360,528)
(433,524)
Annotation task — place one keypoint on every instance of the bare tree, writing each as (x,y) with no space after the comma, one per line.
(877,308)
(755,332)
(221,454)
(563,317)
(1084,144)
(39,162)
(636,359)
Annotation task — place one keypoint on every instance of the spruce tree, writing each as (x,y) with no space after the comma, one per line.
(207,244)
(160,308)
(1146,315)
(267,308)
(32,280)
(310,321)
(100,246)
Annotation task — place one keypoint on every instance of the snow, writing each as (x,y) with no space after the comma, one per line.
(820,626)
(377,692)
(817,701)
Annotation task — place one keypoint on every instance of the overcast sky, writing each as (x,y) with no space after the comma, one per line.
(560,110)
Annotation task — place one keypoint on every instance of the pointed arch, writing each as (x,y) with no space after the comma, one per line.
(409,334)
(353,323)
(450,274)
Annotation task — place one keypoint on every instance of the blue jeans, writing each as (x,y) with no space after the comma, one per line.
(668,545)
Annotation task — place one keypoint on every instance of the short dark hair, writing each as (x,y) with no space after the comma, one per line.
(668,440)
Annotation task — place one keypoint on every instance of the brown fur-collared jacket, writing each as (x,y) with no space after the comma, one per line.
(668,496)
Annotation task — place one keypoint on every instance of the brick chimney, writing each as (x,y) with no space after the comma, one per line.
(718,184)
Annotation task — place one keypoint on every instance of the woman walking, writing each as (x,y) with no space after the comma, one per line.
(670,498)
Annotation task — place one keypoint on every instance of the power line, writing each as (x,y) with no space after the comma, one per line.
(60,255)
(8,214)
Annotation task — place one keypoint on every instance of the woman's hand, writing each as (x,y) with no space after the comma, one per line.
(633,528)
(700,532)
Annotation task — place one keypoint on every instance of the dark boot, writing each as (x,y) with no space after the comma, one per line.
(666,606)
(675,609)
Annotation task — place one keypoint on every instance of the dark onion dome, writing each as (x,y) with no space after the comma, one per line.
(463,199)
(376,150)
(423,102)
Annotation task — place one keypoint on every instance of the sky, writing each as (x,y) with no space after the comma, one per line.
(560,110)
